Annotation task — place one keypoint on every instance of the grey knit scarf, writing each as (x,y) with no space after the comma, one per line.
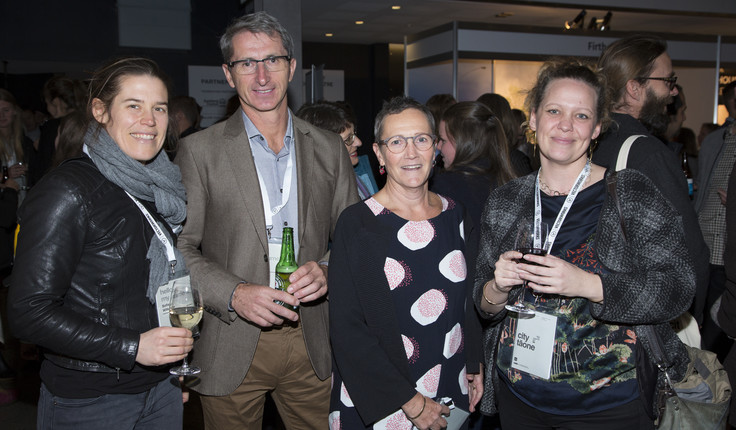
(159,182)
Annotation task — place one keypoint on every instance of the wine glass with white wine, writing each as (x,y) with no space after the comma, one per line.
(185,311)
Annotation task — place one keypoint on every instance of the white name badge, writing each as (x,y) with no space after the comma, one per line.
(533,344)
(163,300)
(274,253)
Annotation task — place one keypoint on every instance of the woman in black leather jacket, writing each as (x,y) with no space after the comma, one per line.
(88,264)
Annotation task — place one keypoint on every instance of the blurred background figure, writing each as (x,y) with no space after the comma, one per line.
(339,118)
(502,109)
(32,120)
(14,145)
(705,129)
(676,113)
(728,99)
(438,104)
(185,114)
(62,96)
(727,312)
(475,154)
(70,138)
(689,149)
(715,161)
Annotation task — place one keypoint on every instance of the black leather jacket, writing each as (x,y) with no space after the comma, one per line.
(81,274)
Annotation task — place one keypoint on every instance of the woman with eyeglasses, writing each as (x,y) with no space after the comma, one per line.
(338,117)
(399,287)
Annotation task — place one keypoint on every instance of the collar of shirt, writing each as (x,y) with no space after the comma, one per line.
(255,136)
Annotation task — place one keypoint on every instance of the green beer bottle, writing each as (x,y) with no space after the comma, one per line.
(286,265)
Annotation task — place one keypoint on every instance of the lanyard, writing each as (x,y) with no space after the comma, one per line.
(159,232)
(579,182)
(268,211)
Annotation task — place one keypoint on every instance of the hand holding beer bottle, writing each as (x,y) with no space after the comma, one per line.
(286,265)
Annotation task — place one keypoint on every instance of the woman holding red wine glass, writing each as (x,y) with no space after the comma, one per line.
(563,353)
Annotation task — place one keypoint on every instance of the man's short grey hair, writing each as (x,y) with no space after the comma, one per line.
(258,22)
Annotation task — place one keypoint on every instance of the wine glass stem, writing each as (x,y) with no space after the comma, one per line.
(184,364)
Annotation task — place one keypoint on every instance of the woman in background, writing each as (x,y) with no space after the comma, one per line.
(502,109)
(338,118)
(14,145)
(62,96)
(475,155)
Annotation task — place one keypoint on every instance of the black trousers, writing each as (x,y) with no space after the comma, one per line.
(516,414)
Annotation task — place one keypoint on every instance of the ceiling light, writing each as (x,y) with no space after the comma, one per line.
(328,34)
(577,22)
(360,22)
(395,7)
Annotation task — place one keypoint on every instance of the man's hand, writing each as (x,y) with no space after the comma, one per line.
(255,303)
(309,282)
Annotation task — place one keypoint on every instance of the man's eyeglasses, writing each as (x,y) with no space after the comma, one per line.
(671,81)
(422,142)
(350,139)
(249,65)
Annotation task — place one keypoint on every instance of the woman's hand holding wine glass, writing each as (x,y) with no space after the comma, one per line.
(185,311)
(551,275)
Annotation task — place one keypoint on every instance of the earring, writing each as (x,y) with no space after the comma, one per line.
(591,148)
(434,162)
(381,170)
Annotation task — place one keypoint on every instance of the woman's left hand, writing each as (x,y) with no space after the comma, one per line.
(556,276)
(475,388)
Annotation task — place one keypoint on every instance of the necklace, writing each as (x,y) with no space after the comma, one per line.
(551,192)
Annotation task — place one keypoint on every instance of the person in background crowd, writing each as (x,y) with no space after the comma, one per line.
(9,391)
(686,138)
(727,311)
(676,113)
(639,76)
(705,129)
(71,137)
(339,118)
(502,110)
(32,120)
(185,113)
(716,158)
(475,154)
(593,287)
(728,99)
(522,144)
(14,145)
(403,331)
(248,177)
(85,279)
(62,96)
(438,104)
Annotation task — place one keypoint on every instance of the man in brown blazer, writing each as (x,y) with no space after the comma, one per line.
(246,179)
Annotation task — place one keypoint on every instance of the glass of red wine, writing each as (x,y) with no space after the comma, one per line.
(529,240)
